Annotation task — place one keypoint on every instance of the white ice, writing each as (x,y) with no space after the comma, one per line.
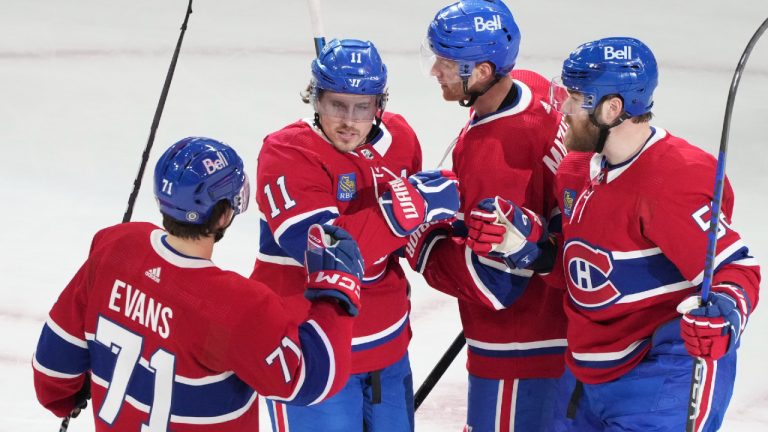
(80,79)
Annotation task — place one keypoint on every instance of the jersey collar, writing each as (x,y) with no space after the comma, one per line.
(524,98)
(599,165)
(165,251)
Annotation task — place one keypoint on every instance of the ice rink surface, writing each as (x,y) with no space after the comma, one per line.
(80,79)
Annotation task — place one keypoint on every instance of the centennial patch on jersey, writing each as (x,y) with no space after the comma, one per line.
(367,154)
(346,187)
(569,198)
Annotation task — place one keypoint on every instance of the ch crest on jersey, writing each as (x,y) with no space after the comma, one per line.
(569,198)
(588,271)
(346,188)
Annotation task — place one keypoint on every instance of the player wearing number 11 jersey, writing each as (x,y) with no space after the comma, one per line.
(172,342)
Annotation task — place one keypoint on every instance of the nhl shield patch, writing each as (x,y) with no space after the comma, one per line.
(346,187)
(569,198)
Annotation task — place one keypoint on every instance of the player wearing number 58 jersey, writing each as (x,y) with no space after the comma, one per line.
(635,203)
(172,342)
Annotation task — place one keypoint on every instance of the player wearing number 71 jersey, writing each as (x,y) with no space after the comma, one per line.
(172,342)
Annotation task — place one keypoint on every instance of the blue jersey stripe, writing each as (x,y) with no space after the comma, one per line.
(318,364)
(384,339)
(57,354)
(207,400)
(293,240)
(517,352)
(506,287)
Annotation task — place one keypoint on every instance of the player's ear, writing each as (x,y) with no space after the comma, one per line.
(483,72)
(612,108)
(225,219)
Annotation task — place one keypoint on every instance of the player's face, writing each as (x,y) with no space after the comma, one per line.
(346,119)
(447,74)
(582,135)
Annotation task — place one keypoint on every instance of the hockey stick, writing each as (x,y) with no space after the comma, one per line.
(156,120)
(137,183)
(317,25)
(453,349)
(437,372)
(697,380)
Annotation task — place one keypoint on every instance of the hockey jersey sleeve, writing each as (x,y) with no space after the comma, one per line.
(678,221)
(452,267)
(295,191)
(297,363)
(61,360)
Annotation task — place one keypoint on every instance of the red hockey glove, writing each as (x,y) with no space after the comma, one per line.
(713,330)
(334,267)
(499,228)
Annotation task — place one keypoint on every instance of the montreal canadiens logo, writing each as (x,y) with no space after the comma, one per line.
(588,271)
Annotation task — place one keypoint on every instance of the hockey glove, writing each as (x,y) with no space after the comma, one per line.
(334,267)
(499,228)
(713,330)
(425,197)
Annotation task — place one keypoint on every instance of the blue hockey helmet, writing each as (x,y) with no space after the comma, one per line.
(194,174)
(613,66)
(350,66)
(474,31)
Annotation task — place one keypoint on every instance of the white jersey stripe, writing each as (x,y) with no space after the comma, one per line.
(608,356)
(662,290)
(722,256)
(300,217)
(382,334)
(478,282)
(517,346)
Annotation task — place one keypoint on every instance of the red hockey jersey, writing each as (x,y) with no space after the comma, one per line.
(635,242)
(176,343)
(301,180)
(513,320)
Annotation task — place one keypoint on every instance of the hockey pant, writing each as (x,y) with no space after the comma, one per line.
(517,405)
(654,395)
(380,401)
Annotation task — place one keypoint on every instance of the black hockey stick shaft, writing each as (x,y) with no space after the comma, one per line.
(438,371)
(144,158)
(699,364)
(156,120)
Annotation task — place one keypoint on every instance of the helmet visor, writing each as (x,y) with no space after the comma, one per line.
(432,65)
(567,101)
(357,108)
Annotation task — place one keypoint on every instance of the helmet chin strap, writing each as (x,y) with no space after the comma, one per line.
(605,129)
(473,95)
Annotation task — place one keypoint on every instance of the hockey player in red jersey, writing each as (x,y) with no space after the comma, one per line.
(511,146)
(347,167)
(635,202)
(167,340)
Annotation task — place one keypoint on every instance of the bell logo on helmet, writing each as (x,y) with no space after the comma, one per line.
(211,166)
(491,24)
(613,54)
